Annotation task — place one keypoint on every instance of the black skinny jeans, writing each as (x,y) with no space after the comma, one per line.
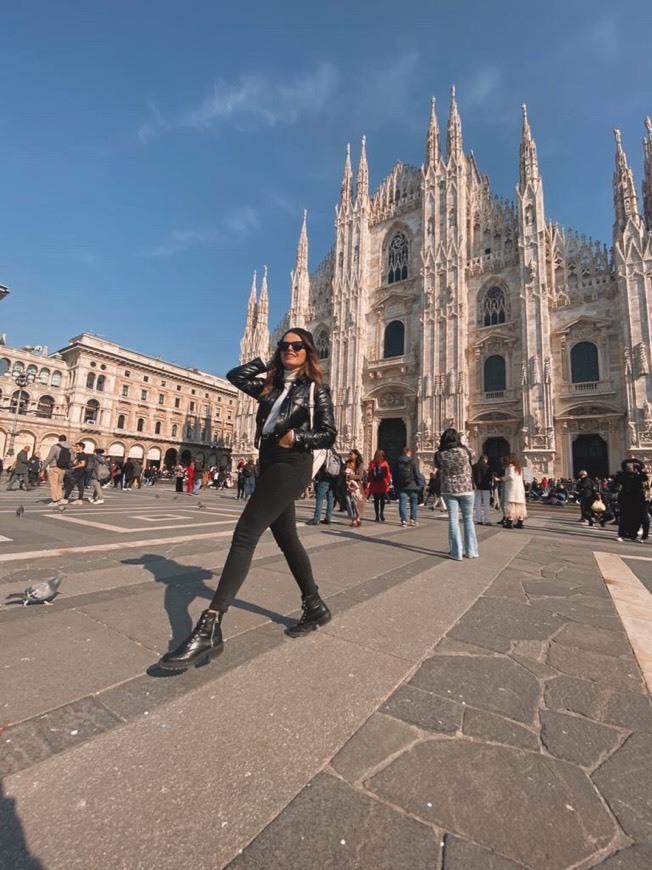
(284,475)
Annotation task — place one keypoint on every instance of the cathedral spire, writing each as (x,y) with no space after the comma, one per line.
(302,247)
(433,148)
(647,174)
(263,303)
(529,166)
(347,178)
(362,185)
(625,201)
(454,138)
(300,294)
(251,306)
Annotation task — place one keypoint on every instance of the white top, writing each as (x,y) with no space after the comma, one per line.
(270,422)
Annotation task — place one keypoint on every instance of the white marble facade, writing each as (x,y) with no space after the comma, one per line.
(441,304)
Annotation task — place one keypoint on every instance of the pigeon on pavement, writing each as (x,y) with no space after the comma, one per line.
(20,511)
(39,593)
(201,505)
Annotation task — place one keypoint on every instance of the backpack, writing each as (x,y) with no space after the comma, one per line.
(404,474)
(378,472)
(103,470)
(332,464)
(64,459)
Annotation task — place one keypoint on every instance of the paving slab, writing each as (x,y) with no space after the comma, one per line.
(496,684)
(636,857)
(622,673)
(577,739)
(624,781)
(205,773)
(603,703)
(462,855)
(425,710)
(550,815)
(380,738)
(64,656)
(332,825)
(497,729)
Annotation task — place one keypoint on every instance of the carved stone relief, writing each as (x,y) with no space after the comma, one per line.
(391,399)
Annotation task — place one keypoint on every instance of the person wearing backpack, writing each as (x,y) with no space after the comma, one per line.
(408,480)
(76,476)
(97,472)
(57,462)
(379,480)
(326,480)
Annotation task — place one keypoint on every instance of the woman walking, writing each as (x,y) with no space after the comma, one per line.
(482,481)
(514,508)
(454,462)
(286,438)
(353,470)
(379,480)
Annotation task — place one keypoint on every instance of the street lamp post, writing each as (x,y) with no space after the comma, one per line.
(22,379)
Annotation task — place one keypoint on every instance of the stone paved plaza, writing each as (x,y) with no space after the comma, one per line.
(482,715)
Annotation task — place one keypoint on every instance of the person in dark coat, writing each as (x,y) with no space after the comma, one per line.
(630,482)
(295,416)
(482,485)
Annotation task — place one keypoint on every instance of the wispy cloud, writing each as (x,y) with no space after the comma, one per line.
(385,92)
(602,36)
(155,126)
(252,103)
(481,86)
(237,226)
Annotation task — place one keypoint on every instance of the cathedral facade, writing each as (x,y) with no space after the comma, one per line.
(441,305)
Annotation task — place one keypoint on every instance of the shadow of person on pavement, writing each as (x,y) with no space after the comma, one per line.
(13,847)
(183,584)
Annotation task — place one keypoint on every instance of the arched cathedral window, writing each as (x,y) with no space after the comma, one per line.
(322,344)
(493,307)
(394,344)
(397,260)
(584,363)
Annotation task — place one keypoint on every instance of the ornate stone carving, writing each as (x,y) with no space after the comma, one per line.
(641,360)
(391,399)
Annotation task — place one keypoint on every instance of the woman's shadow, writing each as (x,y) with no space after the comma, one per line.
(13,846)
(183,584)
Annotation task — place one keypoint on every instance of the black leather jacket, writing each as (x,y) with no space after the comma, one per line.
(295,412)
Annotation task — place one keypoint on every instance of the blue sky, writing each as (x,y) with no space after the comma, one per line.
(154,153)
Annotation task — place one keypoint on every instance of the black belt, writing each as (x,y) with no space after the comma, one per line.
(270,436)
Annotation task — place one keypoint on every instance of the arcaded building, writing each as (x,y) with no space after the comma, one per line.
(107,396)
(441,304)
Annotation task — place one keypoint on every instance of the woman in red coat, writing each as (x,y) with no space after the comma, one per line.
(379,480)
(190,478)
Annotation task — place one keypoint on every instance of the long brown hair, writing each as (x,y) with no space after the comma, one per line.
(512,459)
(311,369)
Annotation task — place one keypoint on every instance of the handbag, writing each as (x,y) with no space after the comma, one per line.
(323,455)
(598,506)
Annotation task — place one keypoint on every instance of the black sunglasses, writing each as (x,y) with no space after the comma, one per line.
(295,345)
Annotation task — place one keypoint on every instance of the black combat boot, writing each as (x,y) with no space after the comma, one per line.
(204,643)
(315,613)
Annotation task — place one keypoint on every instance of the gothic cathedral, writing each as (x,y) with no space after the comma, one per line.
(441,304)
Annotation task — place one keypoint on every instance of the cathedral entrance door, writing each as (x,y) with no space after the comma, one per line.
(590,454)
(392,438)
(495,449)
